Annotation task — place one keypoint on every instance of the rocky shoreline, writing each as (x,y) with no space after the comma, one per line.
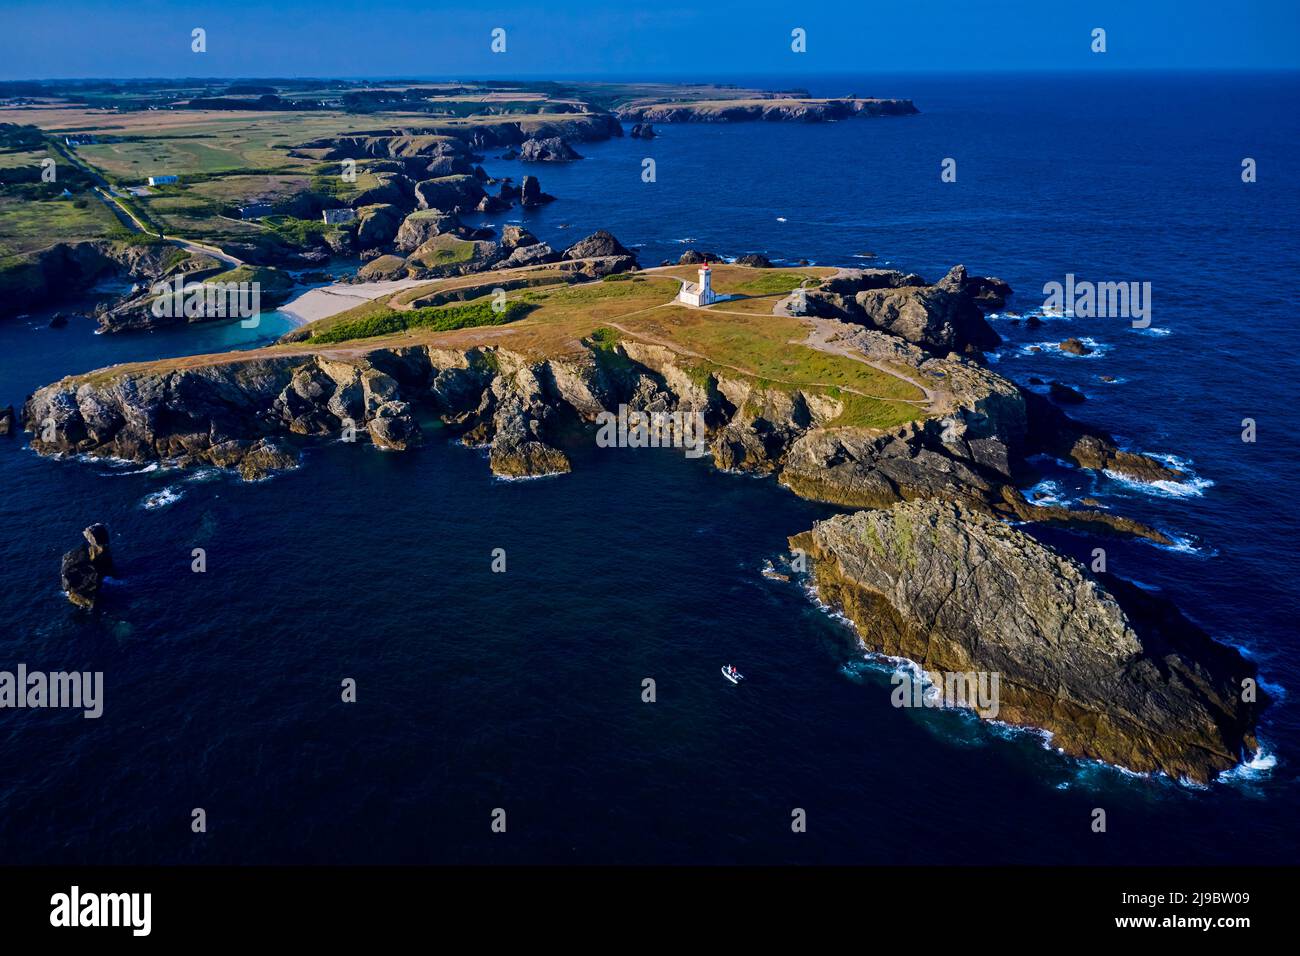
(1111,672)
(775,109)
(946,485)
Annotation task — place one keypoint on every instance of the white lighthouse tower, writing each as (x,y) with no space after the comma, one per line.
(701,293)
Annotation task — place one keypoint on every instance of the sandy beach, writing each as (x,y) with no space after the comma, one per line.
(330,300)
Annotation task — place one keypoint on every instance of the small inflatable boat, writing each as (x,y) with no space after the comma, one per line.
(735,678)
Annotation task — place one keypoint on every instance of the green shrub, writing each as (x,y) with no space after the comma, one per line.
(440,319)
(603,338)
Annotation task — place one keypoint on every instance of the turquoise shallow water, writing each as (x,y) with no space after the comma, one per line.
(523,690)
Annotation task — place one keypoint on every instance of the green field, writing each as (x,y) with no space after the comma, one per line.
(26,226)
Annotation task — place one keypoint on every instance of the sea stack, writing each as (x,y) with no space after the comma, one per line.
(85,567)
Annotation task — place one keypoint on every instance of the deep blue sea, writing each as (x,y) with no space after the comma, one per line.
(522,690)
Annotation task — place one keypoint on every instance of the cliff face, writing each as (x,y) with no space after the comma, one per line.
(67,268)
(436,139)
(236,413)
(1114,674)
(772,110)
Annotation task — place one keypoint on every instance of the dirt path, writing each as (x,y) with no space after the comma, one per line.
(820,337)
(680,350)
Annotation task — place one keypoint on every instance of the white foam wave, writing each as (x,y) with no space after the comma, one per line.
(161,499)
(1186,544)
(1047,492)
(1099,349)
(1193,487)
(1259,767)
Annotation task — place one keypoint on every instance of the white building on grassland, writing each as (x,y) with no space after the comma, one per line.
(700,293)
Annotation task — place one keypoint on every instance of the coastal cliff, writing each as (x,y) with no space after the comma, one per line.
(237,411)
(1111,672)
(777,109)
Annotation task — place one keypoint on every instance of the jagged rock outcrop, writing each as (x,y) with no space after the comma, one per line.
(599,244)
(377,225)
(537,253)
(389,189)
(490,204)
(1112,673)
(394,427)
(943,317)
(84,568)
(513,236)
(7,420)
(451,165)
(550,150)
(520,416)
(755,260)
(421,226)
(693,257)
(530,193)
(1051,432)
(642,131)
(449,193)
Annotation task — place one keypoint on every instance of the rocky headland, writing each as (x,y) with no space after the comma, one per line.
(943,487)
(774,109)
(1113,673)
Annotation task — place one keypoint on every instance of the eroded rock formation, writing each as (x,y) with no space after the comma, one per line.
(1112,672)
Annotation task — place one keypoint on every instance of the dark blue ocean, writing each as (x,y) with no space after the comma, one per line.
(522,690)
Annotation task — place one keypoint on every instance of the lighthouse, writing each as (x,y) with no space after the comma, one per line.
(706,284)
(701,293)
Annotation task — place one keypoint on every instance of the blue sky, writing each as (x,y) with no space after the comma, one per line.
(83,38)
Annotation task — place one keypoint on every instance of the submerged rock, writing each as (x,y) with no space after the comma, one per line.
(1075,347)
(1113,673)
(84,567)
(1064,394)
(7,420)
